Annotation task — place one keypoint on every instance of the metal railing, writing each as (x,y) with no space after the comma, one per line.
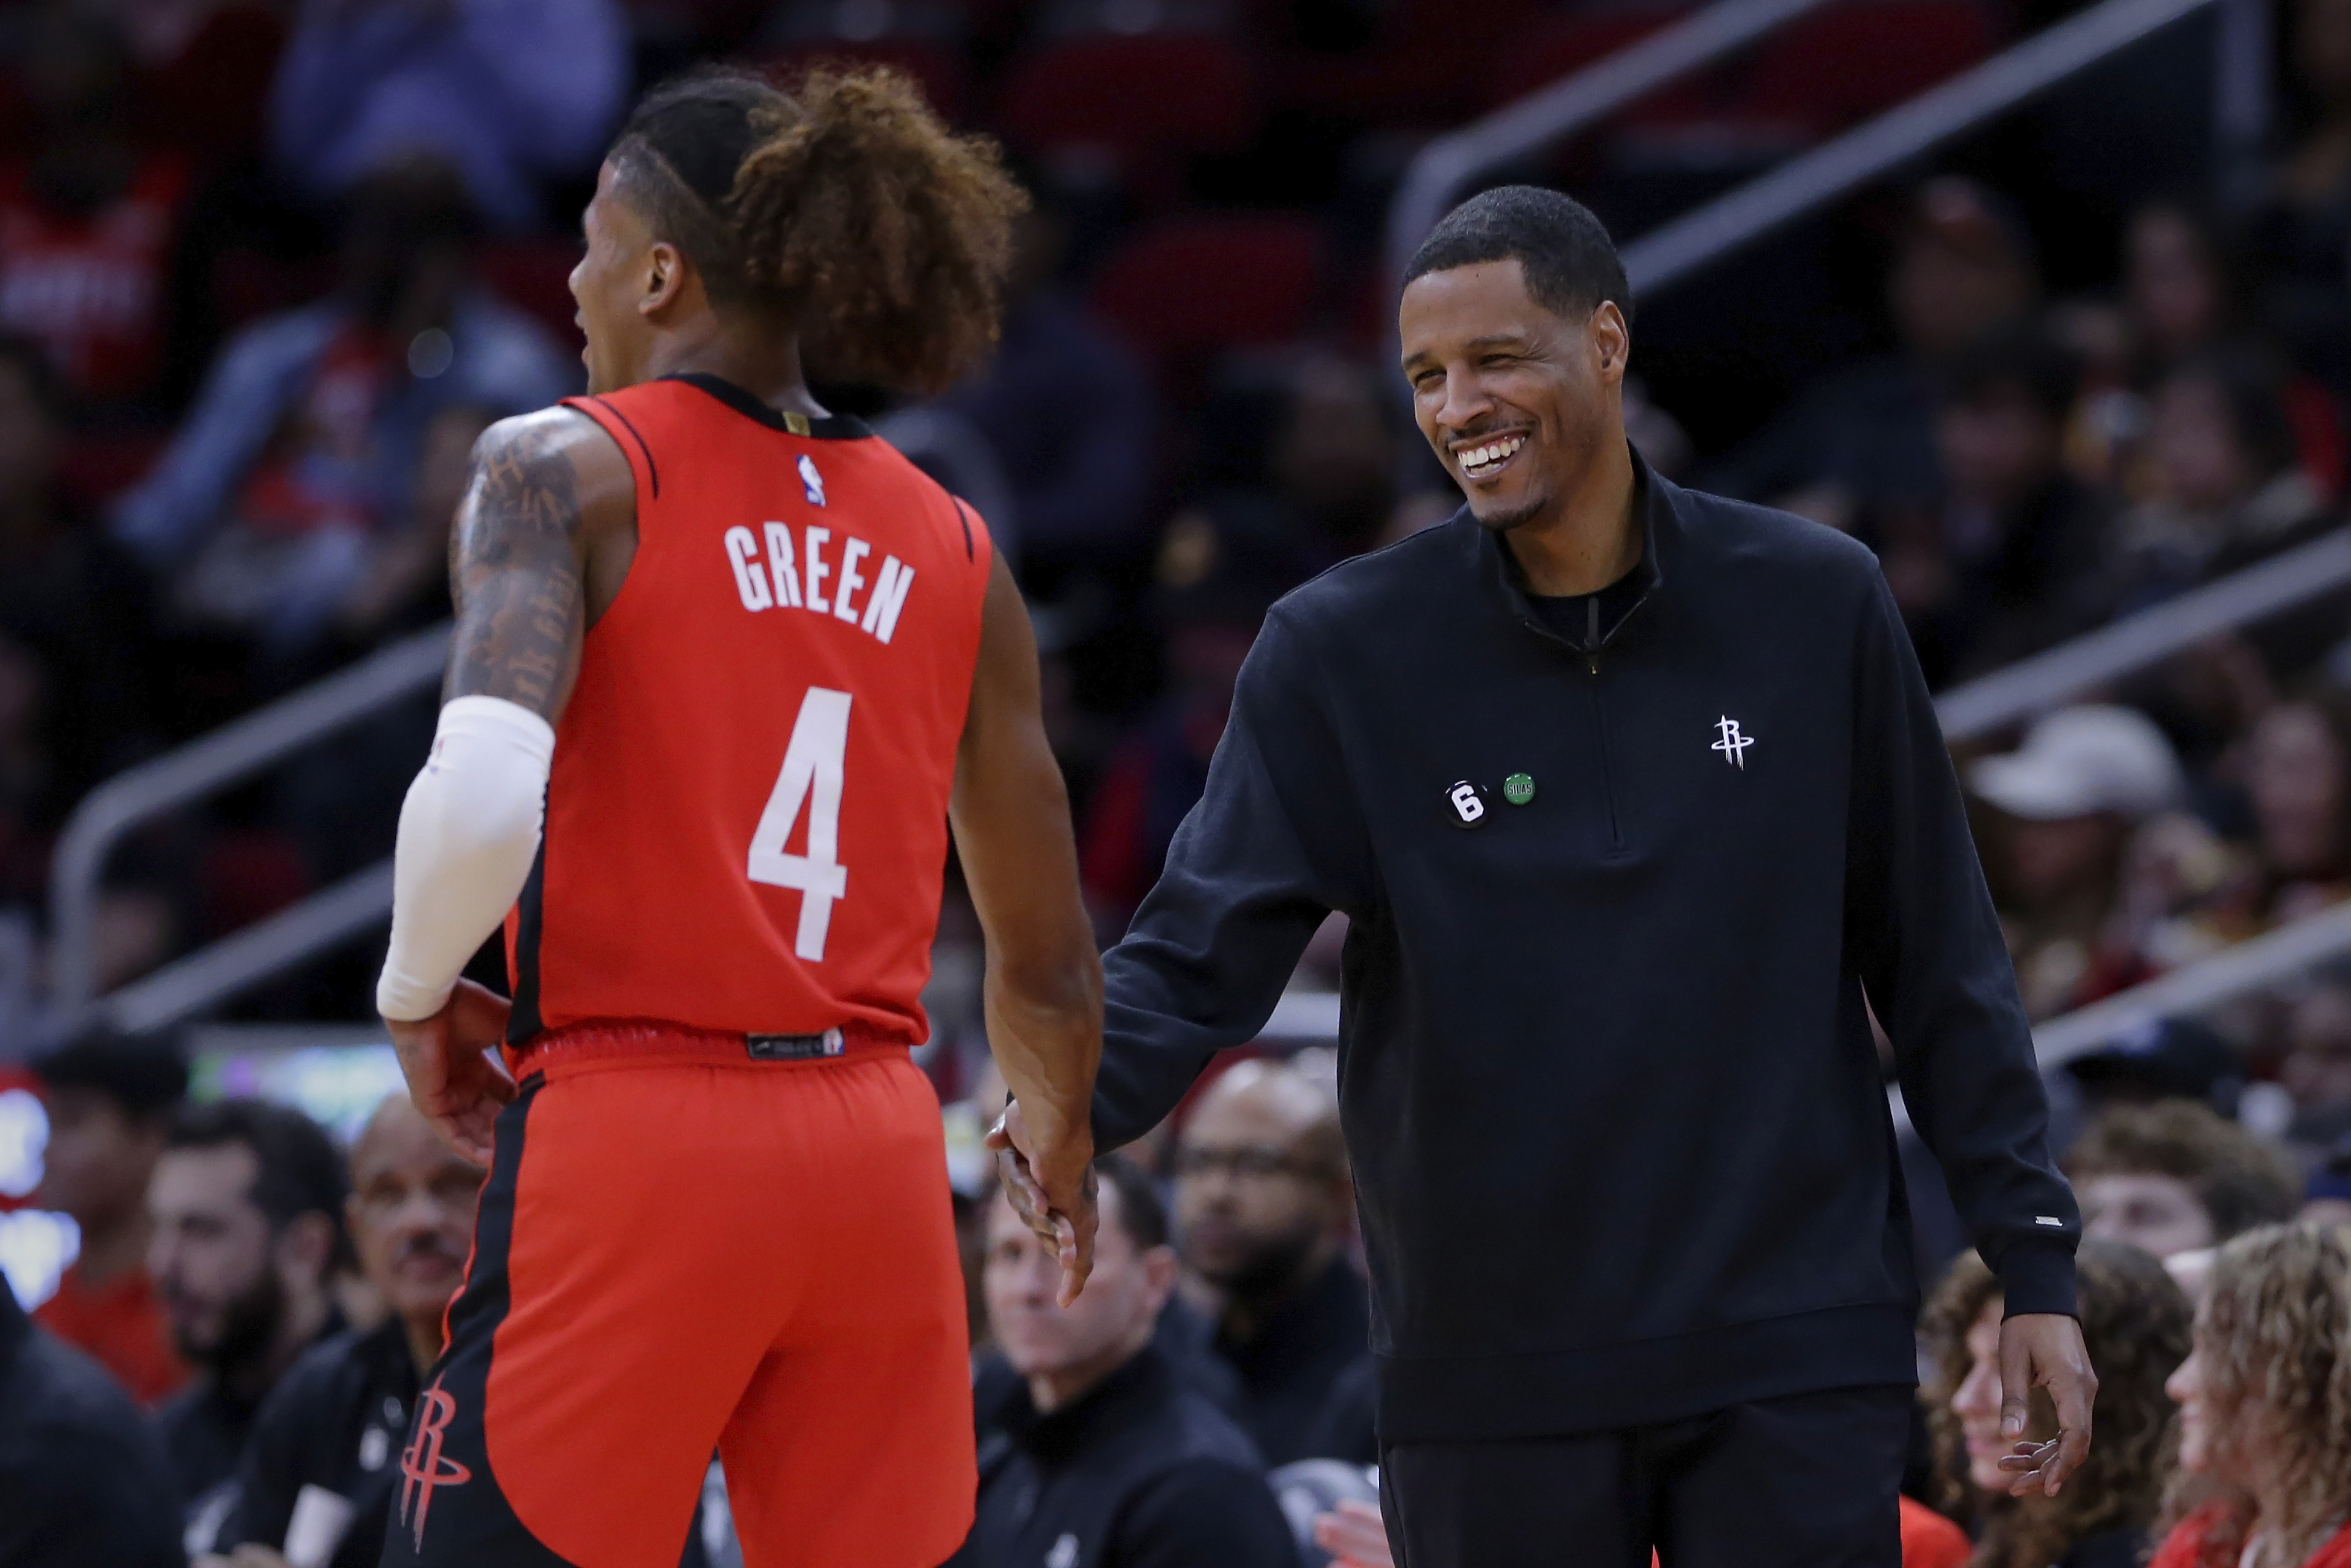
(1697,239)
(2034,685)
(1446,165)
(234,751)
(2223,977)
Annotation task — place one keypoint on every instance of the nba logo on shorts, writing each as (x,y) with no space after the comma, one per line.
(422,1465)
(811,481)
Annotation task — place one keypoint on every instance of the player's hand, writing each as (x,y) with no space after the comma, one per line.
(2045,1350)
(453,1075)
(1050,1180)
(1354,1536)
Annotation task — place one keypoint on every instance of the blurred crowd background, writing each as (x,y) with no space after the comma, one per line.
(268,267)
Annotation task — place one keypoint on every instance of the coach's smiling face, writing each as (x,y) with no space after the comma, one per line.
(1517,401)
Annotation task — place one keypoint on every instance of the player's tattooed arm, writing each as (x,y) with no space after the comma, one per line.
(537,553)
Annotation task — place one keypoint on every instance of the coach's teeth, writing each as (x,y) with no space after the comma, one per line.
(1487,455)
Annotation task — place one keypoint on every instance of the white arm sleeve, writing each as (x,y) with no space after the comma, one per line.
(468,835)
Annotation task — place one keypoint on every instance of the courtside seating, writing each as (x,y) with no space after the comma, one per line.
(938,71)
(1141,106)
(211,101)
(1838,66)
(1187,286)
(534,275)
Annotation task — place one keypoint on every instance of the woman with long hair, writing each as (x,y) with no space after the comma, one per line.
(2136,1324)
(2265,1408)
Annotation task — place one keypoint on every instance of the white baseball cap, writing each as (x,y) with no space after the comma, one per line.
(2080,760)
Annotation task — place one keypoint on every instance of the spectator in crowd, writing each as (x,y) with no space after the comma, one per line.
(69,597)
(2326,1198)
(2316,1069)
(2006,564)
(2069,801)
(288,491)
(2229,486)
(1263,1207)
(1216,575)
(83,1482)
(110,1099)
(513,92)
(318,1477)
(1098,1456)
(2298,775)
(90,220)
(2265,1407)
(1865,432)
(247,1202)
(2178,295)
(2136,1322)
(2300,231)
(1333,458)
(2173,1178)
(1069,412)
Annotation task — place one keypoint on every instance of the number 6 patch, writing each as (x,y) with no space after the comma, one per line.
(1465,803)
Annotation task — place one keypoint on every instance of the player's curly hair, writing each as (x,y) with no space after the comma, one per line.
(2273,1342)
(846,203)
(2135,1325)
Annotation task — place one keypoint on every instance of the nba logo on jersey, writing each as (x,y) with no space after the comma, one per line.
(811,481)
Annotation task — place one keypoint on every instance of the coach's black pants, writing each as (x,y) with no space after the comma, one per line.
(1806,1481)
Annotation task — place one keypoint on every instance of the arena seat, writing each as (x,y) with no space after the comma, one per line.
(937,69)
(534,275)
(1145,102)
(1844,63)
(248,284)
(248,875)
(212,100)
(1568,43)
(95,466)
(1424,70)
(1189,285)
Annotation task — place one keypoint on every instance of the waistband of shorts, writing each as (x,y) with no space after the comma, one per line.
(643,1039)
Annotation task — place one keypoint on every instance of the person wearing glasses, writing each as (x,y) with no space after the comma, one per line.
(1262,1213)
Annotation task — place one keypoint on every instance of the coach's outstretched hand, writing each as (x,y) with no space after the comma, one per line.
(452,1073)
(1051,1181)
(2045,1350)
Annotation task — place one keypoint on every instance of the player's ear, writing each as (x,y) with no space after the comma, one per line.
(664,277)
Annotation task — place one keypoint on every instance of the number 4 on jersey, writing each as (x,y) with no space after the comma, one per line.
(812,765)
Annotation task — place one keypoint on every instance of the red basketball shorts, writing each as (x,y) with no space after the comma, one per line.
(682,1249)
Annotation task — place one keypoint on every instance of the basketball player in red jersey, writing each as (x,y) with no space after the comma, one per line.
(754,663)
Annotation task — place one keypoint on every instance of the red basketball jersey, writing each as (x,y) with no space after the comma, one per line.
(747,817)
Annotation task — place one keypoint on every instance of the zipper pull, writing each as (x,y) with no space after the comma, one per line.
(1592,662)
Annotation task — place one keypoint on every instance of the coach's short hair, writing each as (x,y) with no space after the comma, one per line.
(1569,262)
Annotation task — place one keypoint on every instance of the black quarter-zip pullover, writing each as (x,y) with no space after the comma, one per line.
(1620,1141)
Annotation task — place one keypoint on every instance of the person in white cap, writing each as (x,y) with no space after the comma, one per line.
(2071,795)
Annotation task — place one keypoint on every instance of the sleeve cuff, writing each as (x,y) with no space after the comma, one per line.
(2036,1275)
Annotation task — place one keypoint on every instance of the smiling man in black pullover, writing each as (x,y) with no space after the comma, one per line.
(1637,803)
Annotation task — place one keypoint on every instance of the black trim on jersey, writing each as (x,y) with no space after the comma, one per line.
(964,517)
(831,427)
(468,1520)
(524,1021)
(652,473)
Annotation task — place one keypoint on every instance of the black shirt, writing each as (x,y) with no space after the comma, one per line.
(1622,1004)
(335,1424)
(1291,1371)
(83,1480)
(205,1427)
(1585,622)
(1137,1473)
